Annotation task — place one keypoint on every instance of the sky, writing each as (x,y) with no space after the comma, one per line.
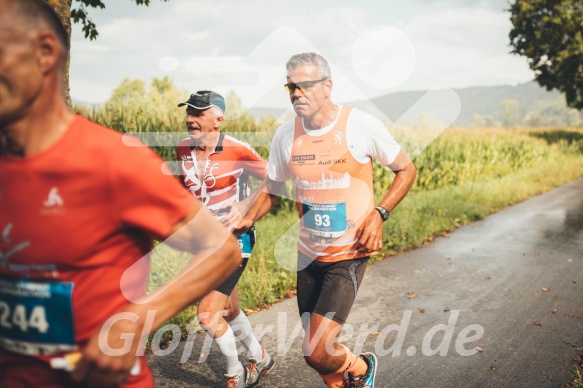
(374,47)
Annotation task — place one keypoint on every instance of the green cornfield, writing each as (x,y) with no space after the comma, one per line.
(463,175)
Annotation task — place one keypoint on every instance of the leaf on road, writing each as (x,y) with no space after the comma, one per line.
(411,296)
(545,289)
(422,311)
(375,333)
(479,349)
(493,367)
(573,316)
(569,260)
(554,311)
(487,277)
(445,310)
(538,323)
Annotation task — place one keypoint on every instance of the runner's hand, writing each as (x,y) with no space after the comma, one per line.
(235,220)
(370,233)
(244,225)
(98,369)
(235,215)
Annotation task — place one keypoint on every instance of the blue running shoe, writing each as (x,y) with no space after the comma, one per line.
(367,379)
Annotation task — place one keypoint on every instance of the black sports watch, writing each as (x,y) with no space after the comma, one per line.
(384,213)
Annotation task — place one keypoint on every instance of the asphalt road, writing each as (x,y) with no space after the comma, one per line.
(510,285)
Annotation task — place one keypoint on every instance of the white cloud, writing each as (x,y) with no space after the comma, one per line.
(497,5)
(454,46)
(88,91)
(204,29)
(463,47)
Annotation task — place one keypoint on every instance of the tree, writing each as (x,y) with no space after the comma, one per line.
(534,119)
(481,121)
(134,105)
(550,34)
(79,14)
(509,113)
(553,113)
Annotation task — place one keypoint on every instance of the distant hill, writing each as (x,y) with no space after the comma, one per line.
(481,100)
(486,100)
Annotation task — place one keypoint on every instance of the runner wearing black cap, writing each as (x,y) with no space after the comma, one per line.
(216,168)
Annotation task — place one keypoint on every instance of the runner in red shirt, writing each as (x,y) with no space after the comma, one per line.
(79,207)
(216,168)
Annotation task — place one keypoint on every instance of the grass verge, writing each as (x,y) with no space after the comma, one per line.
(419,219)
(577,375)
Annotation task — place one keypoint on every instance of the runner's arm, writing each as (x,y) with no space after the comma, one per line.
(370,233)
(238,210)
(258,204)
(256,166)
(216,255)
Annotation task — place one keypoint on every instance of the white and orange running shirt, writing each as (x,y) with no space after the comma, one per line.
(227,171)
(331,169)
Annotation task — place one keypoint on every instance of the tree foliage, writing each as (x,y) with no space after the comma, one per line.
(510,113)
(550,34)
(80,15)
(138,107)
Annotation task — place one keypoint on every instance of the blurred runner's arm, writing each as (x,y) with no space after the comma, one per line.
(216,255)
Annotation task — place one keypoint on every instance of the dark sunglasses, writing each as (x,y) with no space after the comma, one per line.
(291,87)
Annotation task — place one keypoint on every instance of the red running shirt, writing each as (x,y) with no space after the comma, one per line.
(72,220)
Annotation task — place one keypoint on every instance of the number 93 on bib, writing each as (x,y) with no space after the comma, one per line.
(325,220)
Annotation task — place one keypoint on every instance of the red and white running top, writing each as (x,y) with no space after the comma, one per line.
(225,178)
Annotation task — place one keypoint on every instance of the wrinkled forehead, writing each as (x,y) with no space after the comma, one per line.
(302,71)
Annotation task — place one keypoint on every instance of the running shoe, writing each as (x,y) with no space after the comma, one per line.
(367,379)
(239,380)
(258,369)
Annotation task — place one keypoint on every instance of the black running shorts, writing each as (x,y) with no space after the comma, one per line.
(329,287)
(228,285)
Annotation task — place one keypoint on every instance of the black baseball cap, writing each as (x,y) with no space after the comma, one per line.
(204,99)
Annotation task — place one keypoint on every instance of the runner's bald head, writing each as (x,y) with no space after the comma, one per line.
(35,15)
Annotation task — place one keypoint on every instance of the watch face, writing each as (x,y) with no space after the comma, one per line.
(384,213)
